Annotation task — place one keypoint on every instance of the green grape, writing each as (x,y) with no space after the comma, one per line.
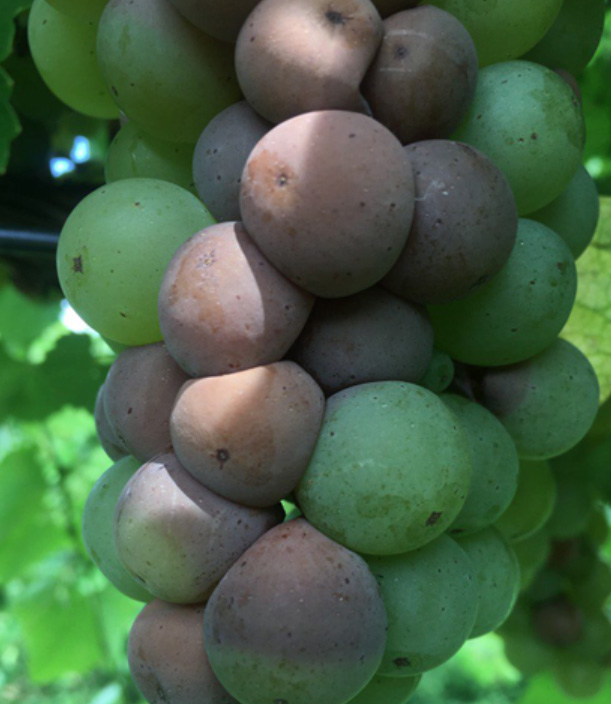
(390,471)
(387,690)
(167,76)
(578,678)
(520,311)
(439,374)
(135,154)
(80,9)
(63,49)
(497,574)
(574,213)
(503,29)
(98,527)
(597,529)
(546,585)
(547,403)
(595,644)
(528,121)
(435,584)
(531,554)
(572,40)
(533,503)
(495,465)
(113,251)
(573,507)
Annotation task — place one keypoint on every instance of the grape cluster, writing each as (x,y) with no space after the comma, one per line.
(334,253)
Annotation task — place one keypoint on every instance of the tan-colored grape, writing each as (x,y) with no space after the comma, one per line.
(221,20)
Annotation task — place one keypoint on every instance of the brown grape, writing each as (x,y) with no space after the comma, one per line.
(223,307)
(423,78)
(371,336)
(139,393)
(110,442)
(176,537)
(221,20)
(329,198)
(248,436)
(297,619)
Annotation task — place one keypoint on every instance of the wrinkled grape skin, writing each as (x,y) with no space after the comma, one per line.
(135,154)
(423,78)
(100,257)
(371,336)
(176,537)
(390,471)
(503,30)
(98,527)
(464,227)
(223,307)
(296,56)
(574,213)
(528,121)
(167,658)
(163,73)
(533,503)
(298,618)
(572,40)
(520,311)
(357,179)
(497,574)
(435,584)
(248,436)
(109,441)
(63,49)
(220,156)
(547,403)
(222,20)
(390,690)
(139,394)
(495,465)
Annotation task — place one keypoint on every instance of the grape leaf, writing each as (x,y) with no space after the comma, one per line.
(589,326)
(60,631)
(27,529)
(22,320)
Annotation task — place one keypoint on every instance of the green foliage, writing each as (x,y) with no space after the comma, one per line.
(589,326)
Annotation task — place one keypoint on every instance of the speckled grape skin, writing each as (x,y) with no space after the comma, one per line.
(528,121)
(574,213)
(176,537)
(248,436)
(495,465)
(223,307)
(98,527)
(547,403)
(220,155)
(390,690)
(431,597)
(222,20)
(371,336)
(113,251)
(532,504)
(139,393)
(297,619)
(391,469)
(503,29)
(423,78)
(296,56)
(497,575)
(520,312)
(329,197)
(167,658)
(464,227)
(165,74)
